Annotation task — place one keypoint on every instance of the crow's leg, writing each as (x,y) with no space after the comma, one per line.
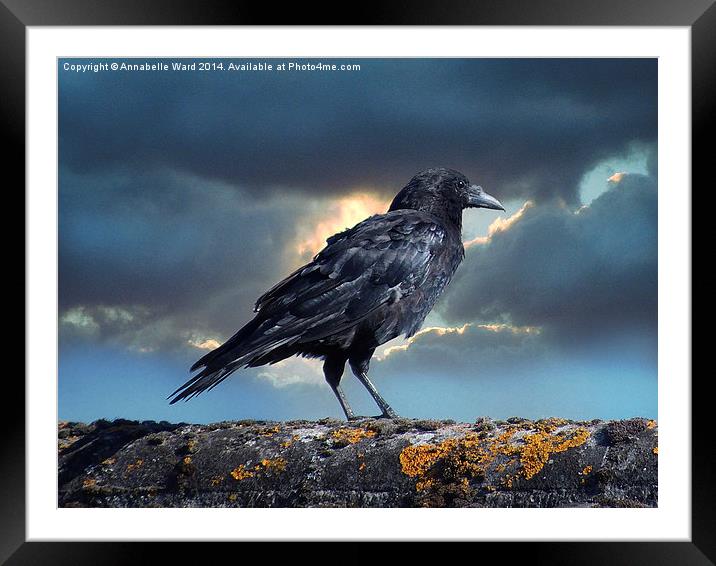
(359,365)
(333,370)
(384,407)
(343,401)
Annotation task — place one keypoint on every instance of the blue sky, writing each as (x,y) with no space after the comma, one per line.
(184,196)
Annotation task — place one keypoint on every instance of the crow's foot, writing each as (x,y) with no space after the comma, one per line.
(389,413)
(392,415)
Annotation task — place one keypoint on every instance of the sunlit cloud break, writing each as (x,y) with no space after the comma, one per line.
(447,330)
(339,215)
(204,343)
(617,177)
(500,225)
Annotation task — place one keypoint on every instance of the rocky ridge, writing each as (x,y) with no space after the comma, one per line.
(368,463)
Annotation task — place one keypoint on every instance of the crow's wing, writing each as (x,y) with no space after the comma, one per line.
(379,261)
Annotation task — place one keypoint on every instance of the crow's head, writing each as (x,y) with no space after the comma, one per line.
(443,192)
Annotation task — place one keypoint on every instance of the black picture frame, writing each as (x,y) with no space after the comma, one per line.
(17,15)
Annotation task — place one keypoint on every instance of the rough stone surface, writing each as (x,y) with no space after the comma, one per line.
(369,463)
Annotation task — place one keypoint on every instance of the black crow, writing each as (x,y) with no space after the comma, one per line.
(370,284)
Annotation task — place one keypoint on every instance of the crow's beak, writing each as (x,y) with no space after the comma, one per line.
(477,198)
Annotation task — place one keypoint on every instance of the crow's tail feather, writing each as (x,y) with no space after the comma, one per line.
(242,335)
(203,381)
(228,358)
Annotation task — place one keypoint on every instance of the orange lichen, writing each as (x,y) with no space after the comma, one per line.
(88,483)
(187,460)
(461,459)
(416,460)
(132,467)
(216,480)
(650,424)
(232,497)
(241,473)
(586,471)
(466,456)
(456,461)
(361,457)
(540,445)
(352,435)
(290,441)
(501,444)
(655,450)
(550,424)
(270,465)
(277,464)
(269,431)
(108,461)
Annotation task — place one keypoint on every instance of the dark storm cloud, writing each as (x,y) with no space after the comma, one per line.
(165,252)
(180,194)
(556,287)
(576,274)
(472,350)
(524,128)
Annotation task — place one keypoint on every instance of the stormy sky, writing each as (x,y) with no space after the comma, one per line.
(184,195)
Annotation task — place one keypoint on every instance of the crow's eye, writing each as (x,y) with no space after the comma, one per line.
(461,184)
